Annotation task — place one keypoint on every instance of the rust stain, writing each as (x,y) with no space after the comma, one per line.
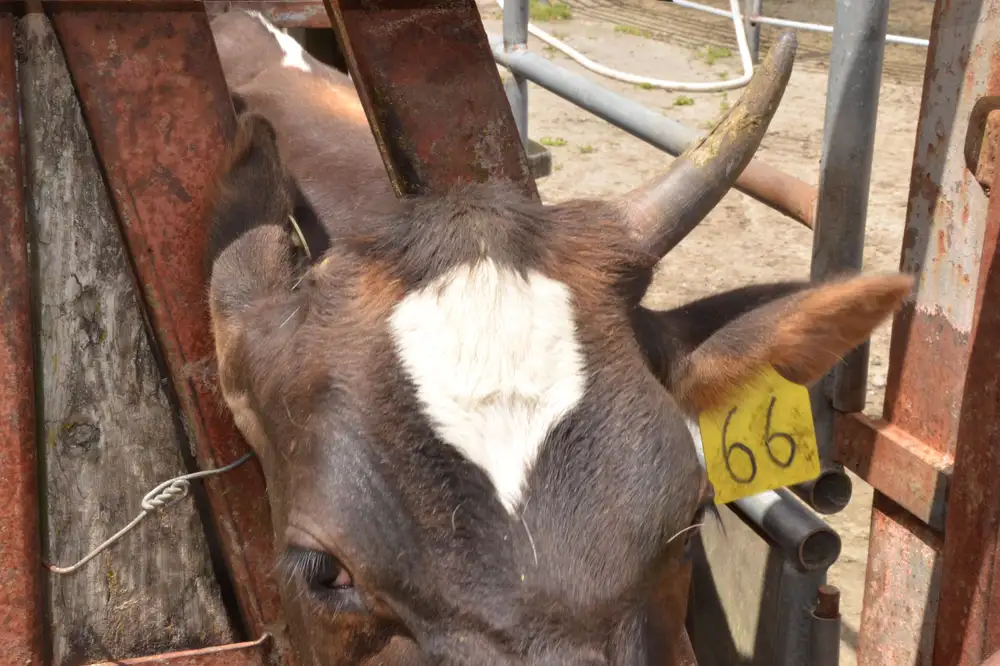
(968,629)
(924,606)
(897,622)
(21,617)
(428,110)
(908,471)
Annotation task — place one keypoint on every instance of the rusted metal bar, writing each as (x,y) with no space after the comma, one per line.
(448,72)
(780,190)
(968,628)
(909,472)
(250,653)
(21,615)
(156,103)
(900,610)
(928,394)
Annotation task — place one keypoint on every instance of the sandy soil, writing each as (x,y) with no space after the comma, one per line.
(742,241)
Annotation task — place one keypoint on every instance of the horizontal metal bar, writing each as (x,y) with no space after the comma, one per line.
(828,493)
(807,542)
(786,23)
(765,183)
(911,473)
(250,653)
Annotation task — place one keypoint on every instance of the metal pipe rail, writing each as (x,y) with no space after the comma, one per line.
(755,17)
(765,183)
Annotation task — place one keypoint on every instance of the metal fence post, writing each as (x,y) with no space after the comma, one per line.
(846,164)
(753,9)
(515,38)
(845,173)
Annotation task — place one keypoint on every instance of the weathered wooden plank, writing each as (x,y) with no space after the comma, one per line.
(110,431)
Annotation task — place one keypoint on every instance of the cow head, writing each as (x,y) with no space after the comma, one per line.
(475,438)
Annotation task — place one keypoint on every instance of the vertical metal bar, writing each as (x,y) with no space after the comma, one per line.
(846,163)
(932,340)
(515,38)
(21,617)
(753,8)
(842,204)
(448,70)
(794,621)
(968,629)
(824,644)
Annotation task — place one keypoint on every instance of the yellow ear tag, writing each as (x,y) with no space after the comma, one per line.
(761,439)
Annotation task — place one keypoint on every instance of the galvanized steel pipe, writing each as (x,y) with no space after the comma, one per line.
(515,39)
(765,183)
(804,538)
(842,205)
(846,165)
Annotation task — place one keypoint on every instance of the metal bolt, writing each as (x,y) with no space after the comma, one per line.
(827,602)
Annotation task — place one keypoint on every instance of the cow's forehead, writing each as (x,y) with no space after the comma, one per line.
(394,494)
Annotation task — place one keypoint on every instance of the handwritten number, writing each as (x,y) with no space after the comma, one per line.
(727,451)
(769,438)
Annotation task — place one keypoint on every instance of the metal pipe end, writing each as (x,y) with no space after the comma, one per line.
(819,550)
(828,493)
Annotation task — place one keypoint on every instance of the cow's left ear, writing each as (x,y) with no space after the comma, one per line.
(705,354)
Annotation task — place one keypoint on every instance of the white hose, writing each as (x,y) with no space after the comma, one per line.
(799,25)
(714,86)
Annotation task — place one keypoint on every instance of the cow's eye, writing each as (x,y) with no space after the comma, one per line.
(321,572)
(332,576)
(325,577)
(325,573)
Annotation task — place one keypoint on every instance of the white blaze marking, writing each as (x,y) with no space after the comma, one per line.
(496,364)
(294,53)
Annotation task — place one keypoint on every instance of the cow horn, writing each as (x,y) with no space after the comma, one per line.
(662,212)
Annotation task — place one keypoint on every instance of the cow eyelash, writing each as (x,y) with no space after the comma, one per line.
(321,572)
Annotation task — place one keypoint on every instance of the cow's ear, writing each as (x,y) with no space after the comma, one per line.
(707,351)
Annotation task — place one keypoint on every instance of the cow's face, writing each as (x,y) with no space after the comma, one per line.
(475,439)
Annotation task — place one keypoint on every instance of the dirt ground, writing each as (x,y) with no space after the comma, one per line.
(742,241)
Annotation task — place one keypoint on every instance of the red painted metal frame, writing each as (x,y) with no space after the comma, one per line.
(968,630)
(21,616)
(913,474)
(158,110)
(933,598)
(447,73)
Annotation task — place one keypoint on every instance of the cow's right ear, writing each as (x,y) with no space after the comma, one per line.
(800,330)
(249,251)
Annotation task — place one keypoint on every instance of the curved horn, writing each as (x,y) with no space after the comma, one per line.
(662,212)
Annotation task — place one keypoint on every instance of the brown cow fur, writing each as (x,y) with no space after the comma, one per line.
(397,544)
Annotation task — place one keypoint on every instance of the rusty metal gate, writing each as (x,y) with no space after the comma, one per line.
(145,73)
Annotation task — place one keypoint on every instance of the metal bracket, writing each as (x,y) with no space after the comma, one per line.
(982,139)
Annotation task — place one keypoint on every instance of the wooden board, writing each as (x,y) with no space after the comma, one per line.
(108,429)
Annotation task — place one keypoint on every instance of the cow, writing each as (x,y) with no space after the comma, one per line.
(478,443)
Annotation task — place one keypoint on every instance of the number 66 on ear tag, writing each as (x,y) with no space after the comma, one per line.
(761,439)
